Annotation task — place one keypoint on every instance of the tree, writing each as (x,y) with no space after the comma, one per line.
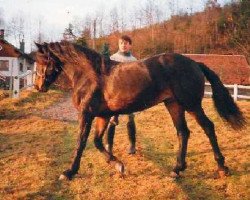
(1,18)
(82,41)
(99,23)
(15,28)
(114,26)
(241,24)
(105,51)
(68,33)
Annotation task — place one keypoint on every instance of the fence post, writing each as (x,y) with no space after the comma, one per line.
(16,87)
(16,80)
(235,92)
(29,79)
(34,73)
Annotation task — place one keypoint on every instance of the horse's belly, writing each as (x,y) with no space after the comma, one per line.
(119,101)
(136,101)
(123,94)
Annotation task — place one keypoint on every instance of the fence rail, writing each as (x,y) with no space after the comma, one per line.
(236,92)
(29,77)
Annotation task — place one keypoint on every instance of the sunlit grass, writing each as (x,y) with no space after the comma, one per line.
(35,150)
(29,102)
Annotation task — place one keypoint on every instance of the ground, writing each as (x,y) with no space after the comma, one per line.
(38,135)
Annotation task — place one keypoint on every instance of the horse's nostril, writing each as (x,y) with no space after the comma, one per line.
(36,87)
(43,89)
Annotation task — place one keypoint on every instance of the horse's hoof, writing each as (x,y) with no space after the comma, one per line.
(120,167)
(63,178)
(108,148)
(111,159)
(174,175)
(67,175)
(131,150)
(221,173)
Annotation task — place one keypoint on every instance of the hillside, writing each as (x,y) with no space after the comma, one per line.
(216,30)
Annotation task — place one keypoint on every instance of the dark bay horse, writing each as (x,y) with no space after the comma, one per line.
(101,90)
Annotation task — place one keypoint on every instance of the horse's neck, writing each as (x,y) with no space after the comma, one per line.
(84,82)
(68,71)
(78,71)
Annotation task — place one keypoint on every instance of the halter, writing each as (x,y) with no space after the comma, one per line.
(38,74)
(41,75)
(56,69)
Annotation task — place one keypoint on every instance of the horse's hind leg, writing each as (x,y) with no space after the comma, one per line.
(111,133)
(101,125)
(110,137)
(131,133)
(208,127)
(178,116)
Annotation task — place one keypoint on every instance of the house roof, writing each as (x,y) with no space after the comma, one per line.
(9,50)
(232,69)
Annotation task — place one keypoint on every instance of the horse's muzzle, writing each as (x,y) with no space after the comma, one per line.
(42,89)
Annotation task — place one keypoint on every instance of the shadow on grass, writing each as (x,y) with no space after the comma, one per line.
(51,189)
(27,104)
(60,156)
(61,159)
(210,151)
(8,114)
(3,145)
(161,157)
(193,187)
(198,189)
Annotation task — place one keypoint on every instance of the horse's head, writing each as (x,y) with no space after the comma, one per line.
(48,67)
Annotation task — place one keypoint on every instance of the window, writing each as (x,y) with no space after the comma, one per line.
(4,65)
(21,67)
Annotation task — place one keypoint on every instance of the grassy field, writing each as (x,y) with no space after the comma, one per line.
(34,151)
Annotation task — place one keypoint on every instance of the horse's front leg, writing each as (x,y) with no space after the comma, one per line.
(101,125)
(85,121)
(111,132)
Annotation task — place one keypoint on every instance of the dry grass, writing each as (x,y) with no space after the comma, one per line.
(34,151)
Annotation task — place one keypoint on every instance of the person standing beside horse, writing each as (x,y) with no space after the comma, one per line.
(123,55)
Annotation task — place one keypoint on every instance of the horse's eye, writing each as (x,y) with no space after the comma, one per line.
(50,67)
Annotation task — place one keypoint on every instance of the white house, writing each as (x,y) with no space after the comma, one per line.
(14,66)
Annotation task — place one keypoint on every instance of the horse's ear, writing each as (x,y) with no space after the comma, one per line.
(45,47)
(55,49)
(58,48)
(39,47)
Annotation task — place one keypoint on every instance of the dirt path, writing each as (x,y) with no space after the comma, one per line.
(62,110)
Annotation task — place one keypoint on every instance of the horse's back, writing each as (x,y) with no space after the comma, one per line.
(181,74)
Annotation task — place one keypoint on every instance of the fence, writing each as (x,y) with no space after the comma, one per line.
(28,82)
(237,91)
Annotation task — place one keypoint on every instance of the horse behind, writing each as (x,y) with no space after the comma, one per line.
(103,88)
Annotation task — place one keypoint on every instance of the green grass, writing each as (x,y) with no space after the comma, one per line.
(35,150)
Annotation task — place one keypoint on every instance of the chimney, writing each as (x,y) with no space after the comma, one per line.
(22,46)
(2,34)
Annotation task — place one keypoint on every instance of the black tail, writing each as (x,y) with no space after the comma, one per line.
(223,101)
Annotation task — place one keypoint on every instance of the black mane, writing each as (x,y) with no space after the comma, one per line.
(100,63)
